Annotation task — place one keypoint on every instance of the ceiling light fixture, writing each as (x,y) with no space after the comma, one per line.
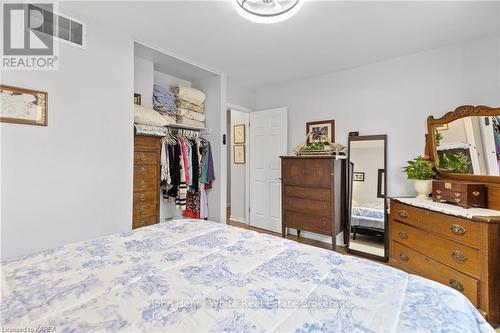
(267,11)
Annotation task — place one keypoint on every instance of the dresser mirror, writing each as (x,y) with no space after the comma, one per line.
(465,143)
(367,183)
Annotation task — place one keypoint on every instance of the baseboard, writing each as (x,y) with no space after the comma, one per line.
(237,219)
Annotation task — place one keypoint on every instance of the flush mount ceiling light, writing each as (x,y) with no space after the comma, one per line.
(267,11)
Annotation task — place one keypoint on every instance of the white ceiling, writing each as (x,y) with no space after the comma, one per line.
(325,36)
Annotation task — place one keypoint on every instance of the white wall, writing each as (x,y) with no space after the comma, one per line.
(167,81)
(71,180)
(143,80)
(238,95)
(393,97)
(238,171)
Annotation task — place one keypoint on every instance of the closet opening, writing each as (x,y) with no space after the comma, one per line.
(238,171)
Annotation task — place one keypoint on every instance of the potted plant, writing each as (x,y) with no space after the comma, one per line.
(454,163)
(421,171)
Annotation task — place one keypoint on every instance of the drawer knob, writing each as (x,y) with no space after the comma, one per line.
(143,157)
(404,257)
(457,200)
(438,197)
(457,194)
(456,285)
(323,223)
(403,235)
(459,256)
(475,193)
(403,213)
(143,197)
(143,183)
(438,191)
(143,170)
(457,229)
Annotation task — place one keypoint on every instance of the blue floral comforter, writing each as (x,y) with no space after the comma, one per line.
(197,276)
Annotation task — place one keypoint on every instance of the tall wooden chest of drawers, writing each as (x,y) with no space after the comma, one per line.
(146,207)
(461,253)
(308,195)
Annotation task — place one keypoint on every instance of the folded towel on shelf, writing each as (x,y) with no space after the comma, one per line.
(148,116)
(189,94)
(163,100)
(190,122)
(191,115)
(183,104)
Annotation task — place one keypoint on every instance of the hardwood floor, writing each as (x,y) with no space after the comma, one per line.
(302,240)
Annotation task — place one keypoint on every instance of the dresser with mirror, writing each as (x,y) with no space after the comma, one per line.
(456,246)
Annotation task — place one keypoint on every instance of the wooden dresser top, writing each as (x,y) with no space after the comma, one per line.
(475,214)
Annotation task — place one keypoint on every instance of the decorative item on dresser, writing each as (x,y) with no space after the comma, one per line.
(146,181)
(310,197)
(429,239)
(463,194)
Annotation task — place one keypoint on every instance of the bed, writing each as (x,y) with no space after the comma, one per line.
(199,276)
(368,216)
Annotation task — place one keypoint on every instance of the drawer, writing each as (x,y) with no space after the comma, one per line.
(308,193)
(456,255)
(144,210)
(449,226)
(147,142)
(316,207)
(313,223)
(149,197)
(141,185)
(145,158)
(144,221)
(436,271)
(405,213)
(453,227)
(144,171)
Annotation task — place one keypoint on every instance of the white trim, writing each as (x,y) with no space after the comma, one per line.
(237,219)
(173,55)
(240,108)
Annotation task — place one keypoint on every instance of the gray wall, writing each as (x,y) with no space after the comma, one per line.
(71,180)
(393,97)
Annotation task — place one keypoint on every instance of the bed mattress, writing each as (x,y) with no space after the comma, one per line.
(198,276)
(370,215)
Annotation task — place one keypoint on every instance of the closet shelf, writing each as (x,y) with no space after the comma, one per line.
(162,131)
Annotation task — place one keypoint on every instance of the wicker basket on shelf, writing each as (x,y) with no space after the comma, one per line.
(330,148)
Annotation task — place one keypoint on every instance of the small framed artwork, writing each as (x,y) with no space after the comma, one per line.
(137,99)
(239,154)
(358,176)
(239,133)
(23,106)
(321,131)
(380,183)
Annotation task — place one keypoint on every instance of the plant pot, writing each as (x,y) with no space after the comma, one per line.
(423,188)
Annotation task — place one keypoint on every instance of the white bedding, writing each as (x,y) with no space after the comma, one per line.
(197,276)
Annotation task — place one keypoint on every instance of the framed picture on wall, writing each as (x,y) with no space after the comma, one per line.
(137,99)
(239,154)
(239,133)
(320,131)
(23,106)
(358,176)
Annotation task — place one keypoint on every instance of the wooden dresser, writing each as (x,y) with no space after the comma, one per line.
(462,253)
(146,209)
(309,195)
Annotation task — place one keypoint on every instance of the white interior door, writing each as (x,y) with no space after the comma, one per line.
(268,141)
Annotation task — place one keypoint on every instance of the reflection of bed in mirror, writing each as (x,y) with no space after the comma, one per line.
(368,217)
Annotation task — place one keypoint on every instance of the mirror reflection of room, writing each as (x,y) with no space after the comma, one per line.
(367,205)
(469,145)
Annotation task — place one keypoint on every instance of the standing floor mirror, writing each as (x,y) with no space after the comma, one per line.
(367,183)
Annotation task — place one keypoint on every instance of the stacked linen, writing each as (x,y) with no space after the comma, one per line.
(190,106)
(164,103)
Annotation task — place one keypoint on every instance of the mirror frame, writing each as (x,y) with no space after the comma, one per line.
(347,238)
(459,113)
